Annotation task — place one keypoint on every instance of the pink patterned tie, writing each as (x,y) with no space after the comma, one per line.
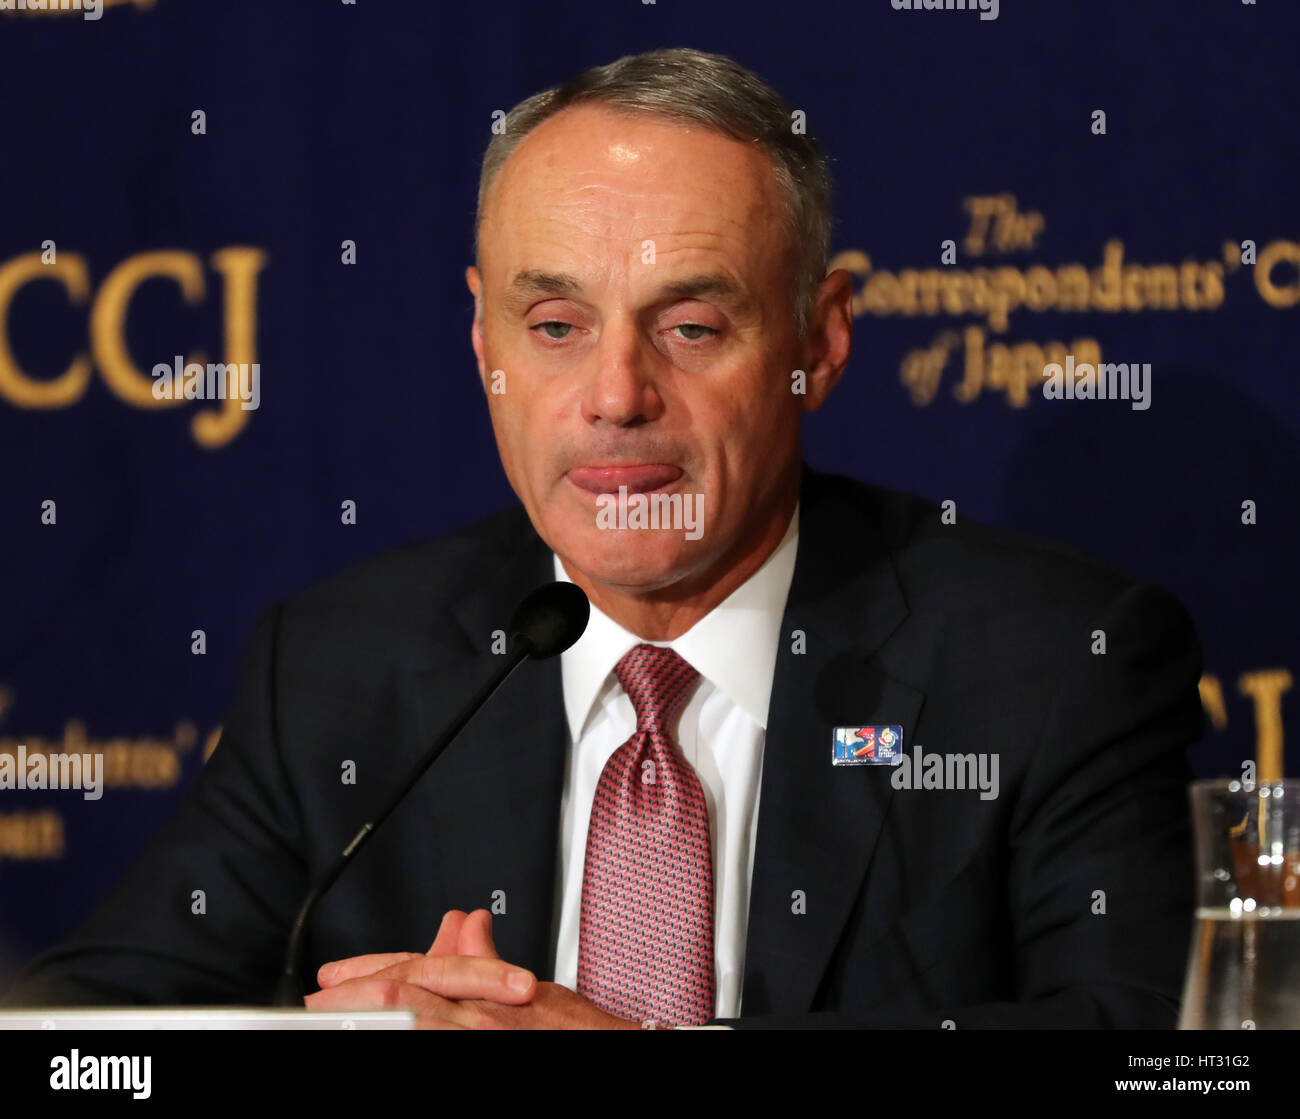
(645,939)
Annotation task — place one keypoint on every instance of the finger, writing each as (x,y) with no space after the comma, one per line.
(466,977)
(444,944)
(476,936)
(370,993)
(354,967)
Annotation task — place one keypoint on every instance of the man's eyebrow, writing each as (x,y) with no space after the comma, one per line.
(715,284)
(532,282)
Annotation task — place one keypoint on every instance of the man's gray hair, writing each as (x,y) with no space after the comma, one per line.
(711,90)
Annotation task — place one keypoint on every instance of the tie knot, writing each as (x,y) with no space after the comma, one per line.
(658,682)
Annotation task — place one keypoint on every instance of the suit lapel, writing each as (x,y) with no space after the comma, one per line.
(494,794)
(818,824)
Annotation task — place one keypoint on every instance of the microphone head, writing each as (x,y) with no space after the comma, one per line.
(550,619)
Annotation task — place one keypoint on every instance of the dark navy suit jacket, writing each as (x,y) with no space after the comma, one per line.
(1066,901)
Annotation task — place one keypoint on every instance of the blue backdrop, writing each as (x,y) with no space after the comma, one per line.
(133,230)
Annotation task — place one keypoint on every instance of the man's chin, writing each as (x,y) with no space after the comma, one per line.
(629,561)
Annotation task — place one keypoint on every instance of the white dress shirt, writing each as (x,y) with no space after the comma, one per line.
(721,732)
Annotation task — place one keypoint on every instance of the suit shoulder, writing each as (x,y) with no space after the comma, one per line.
(964,563)
(401,595)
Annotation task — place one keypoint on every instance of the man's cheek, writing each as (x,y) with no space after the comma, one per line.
(508,424)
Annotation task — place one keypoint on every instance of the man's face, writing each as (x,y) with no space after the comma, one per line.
(637,301)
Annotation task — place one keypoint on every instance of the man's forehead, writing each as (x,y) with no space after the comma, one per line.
(592,175)
(596,140)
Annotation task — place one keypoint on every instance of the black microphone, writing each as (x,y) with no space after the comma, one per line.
(545,623)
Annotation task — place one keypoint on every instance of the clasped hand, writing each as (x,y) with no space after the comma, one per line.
(461,983)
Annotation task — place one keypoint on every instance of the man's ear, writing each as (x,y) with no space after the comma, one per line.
(830,337)
(475,283)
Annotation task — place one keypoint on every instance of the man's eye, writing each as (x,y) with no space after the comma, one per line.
(689,326)
(564,328)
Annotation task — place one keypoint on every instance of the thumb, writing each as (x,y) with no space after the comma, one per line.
(476,936)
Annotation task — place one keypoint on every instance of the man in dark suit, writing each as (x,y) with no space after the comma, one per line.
(654,827)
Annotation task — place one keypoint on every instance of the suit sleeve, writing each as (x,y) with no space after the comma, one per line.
(203,915)
(1100,878)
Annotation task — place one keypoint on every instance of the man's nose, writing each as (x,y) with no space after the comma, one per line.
(622,389)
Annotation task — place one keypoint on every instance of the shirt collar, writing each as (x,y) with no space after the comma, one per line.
(734,646)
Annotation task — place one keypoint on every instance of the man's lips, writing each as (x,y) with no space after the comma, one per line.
(638,479)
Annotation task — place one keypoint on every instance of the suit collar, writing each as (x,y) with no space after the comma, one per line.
(512,560)
(734,646)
